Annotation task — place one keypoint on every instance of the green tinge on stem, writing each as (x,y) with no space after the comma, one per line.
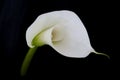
(102,54)
(27,60)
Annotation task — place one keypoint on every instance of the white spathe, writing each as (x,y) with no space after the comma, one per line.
(62,30)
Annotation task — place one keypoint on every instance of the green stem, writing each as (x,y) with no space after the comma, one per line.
(102,54)
(27,60)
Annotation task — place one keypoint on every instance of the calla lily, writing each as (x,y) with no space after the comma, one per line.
(63,31)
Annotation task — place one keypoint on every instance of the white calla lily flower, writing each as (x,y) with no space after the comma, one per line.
(63,31)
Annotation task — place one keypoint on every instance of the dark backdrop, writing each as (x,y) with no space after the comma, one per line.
(17,15)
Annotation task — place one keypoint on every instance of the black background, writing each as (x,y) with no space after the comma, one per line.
(17,15)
